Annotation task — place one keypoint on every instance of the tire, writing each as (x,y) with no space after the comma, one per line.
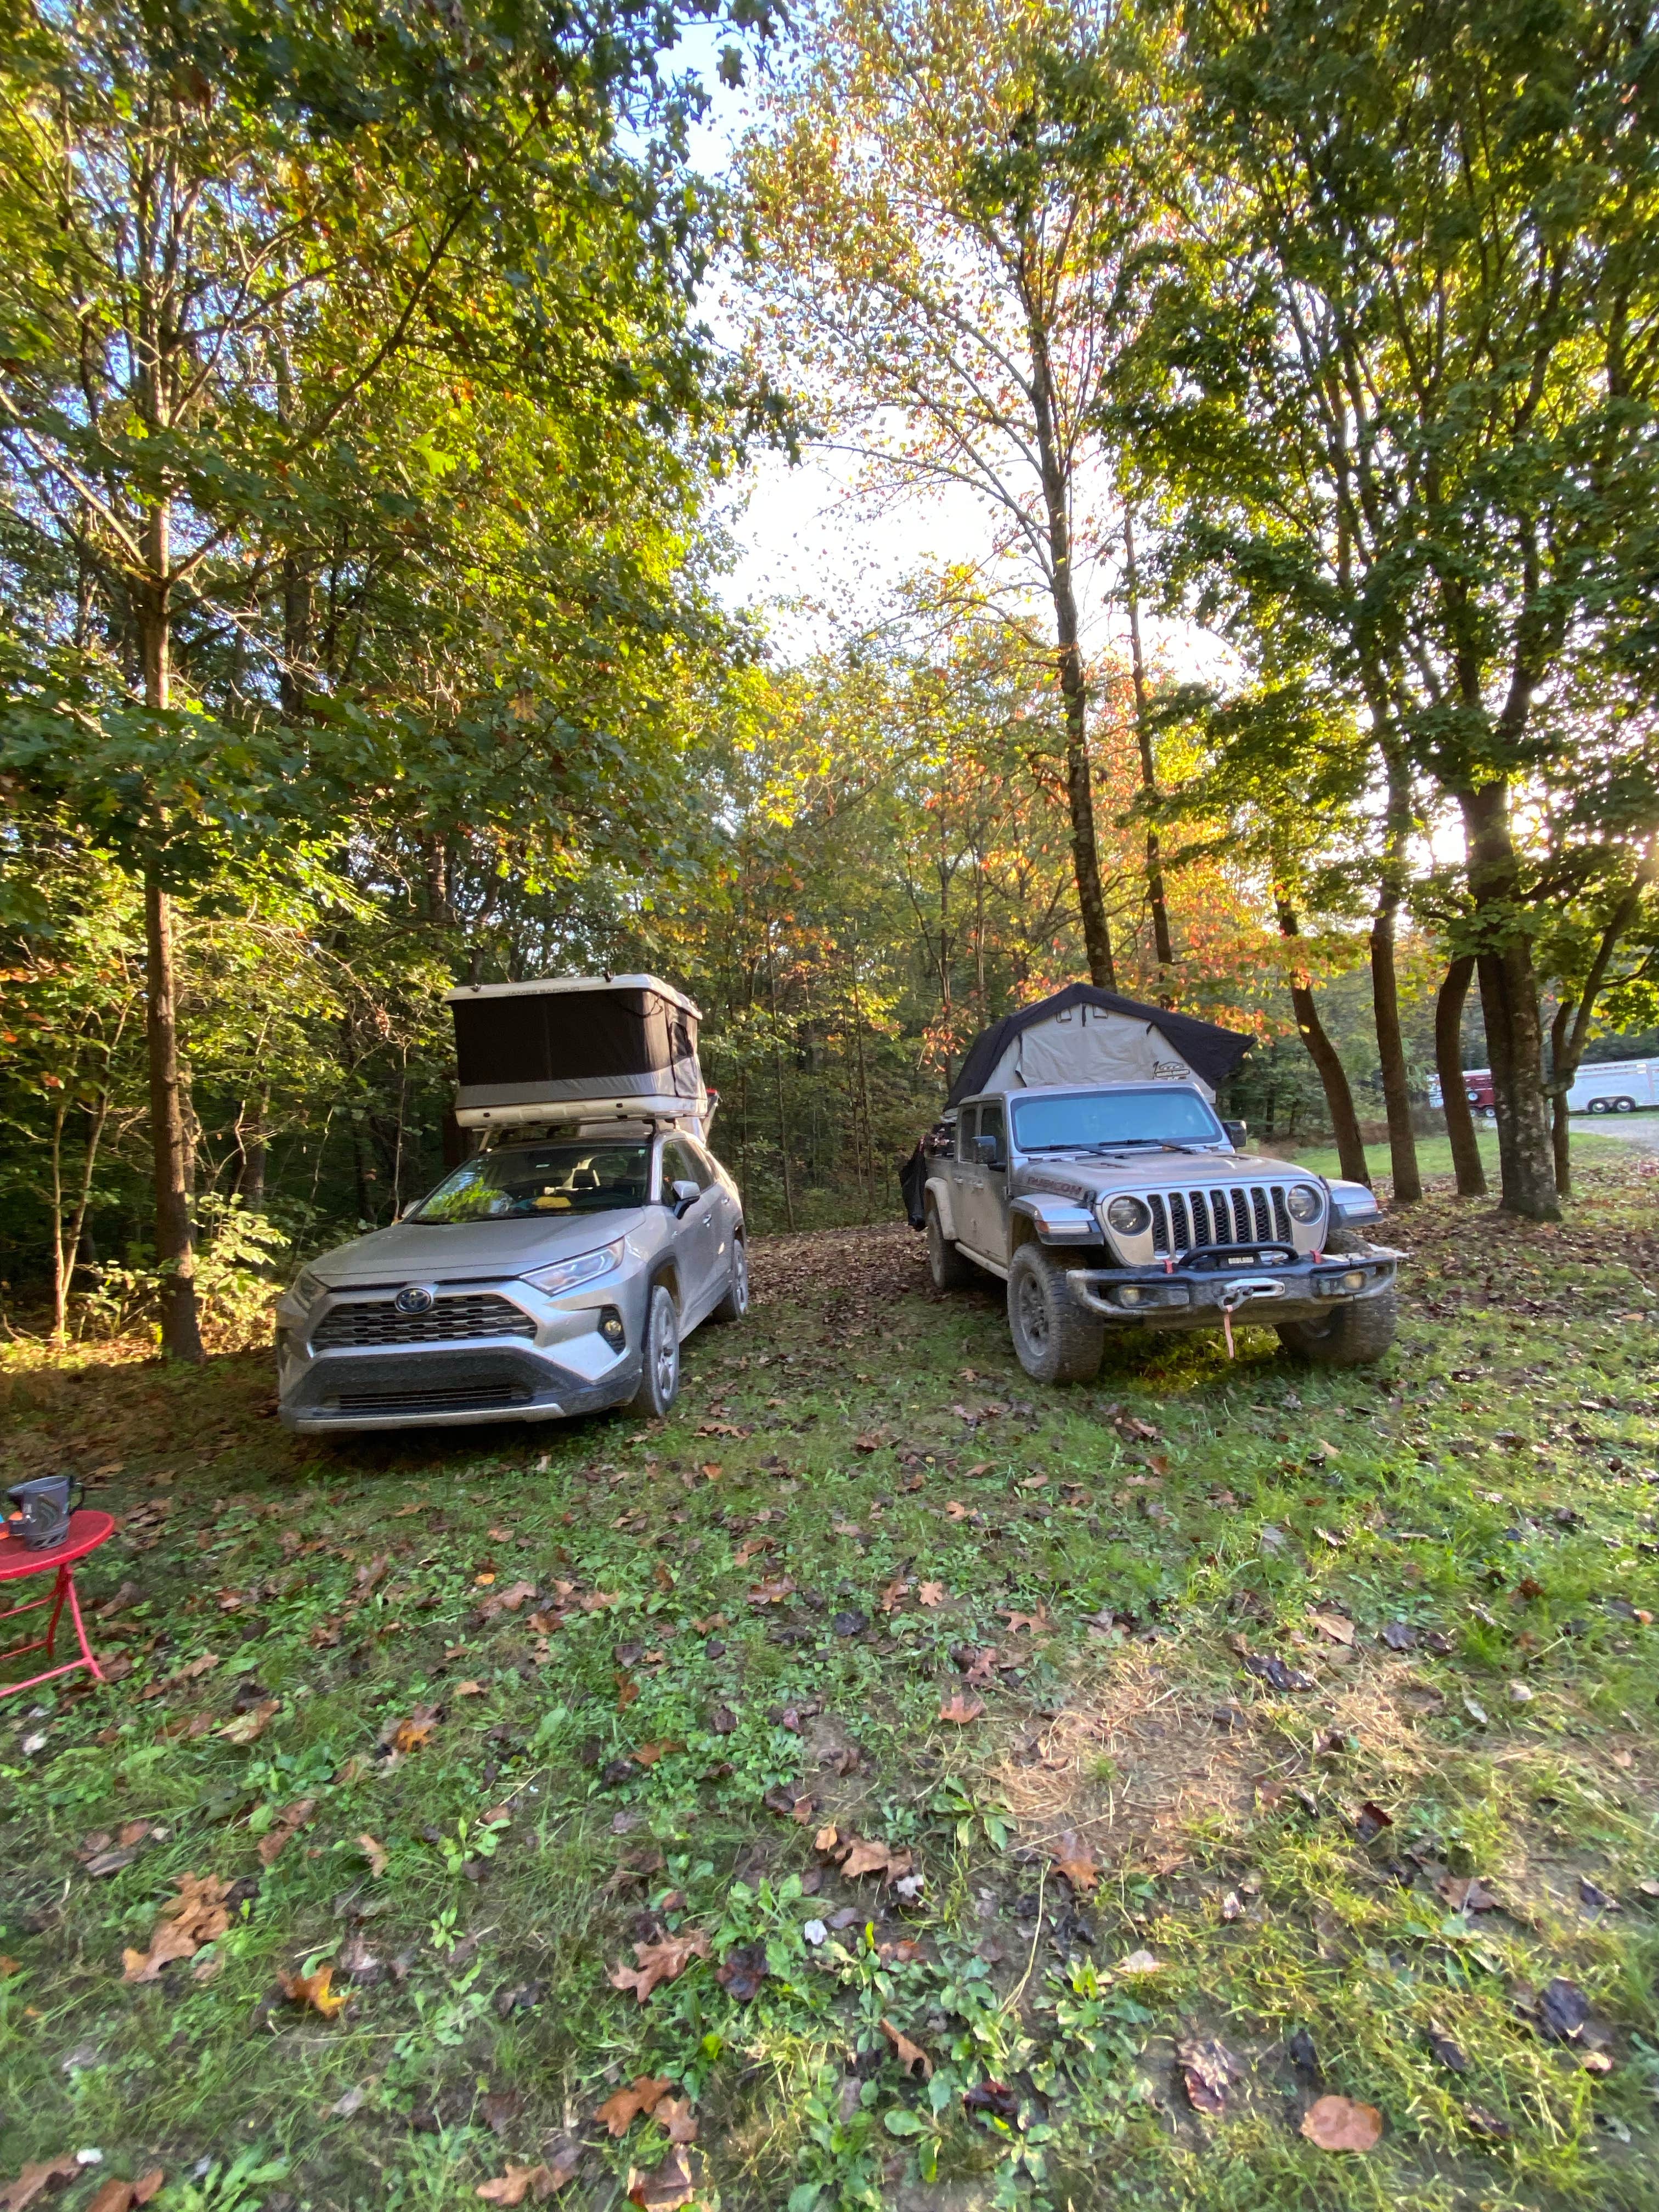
(1598,1106)
(1343,1240)
(1055,1339)
(949,1270)
(1624,1105)
(1354,1336)
(735,1304)
(659,1375)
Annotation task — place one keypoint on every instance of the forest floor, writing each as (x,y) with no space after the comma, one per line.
(889,1783)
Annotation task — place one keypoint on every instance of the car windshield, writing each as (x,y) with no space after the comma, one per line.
(590,1177)
(1162,1113)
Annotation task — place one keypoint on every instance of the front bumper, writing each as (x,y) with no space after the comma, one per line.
(1269,1287)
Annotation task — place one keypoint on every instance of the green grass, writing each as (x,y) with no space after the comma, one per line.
(1491,1486)
(1434,1153)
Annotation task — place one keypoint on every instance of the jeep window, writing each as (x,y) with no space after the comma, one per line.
(1082,1121)
(518,1180)
(990,1125)
(967,1122)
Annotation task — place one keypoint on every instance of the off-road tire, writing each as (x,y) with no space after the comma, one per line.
(659,1370)
(735,1304)
(1344,1242)
(1055,1339)
(949,1270)
(1350,1336)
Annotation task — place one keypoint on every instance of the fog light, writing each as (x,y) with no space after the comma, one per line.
(1354,1279)
(612,1329)
(1129,1294)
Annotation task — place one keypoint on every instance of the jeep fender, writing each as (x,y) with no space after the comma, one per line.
(1052,1220)
(939,1191)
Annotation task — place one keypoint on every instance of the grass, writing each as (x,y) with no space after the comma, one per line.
(1434,1153)
(743,1629)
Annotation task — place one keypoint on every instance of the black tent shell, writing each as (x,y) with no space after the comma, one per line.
(568,1041)
(1208,1049)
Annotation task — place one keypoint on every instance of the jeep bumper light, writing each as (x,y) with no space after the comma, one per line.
(1342,1285)
(1152,1294)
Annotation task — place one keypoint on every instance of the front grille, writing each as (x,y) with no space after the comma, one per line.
(1236,1213)
(470,1397)
(461,1314)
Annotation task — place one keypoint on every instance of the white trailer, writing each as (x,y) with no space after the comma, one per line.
(1614,1086)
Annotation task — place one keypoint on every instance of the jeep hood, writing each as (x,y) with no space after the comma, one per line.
(1143,1168)
(470,1251)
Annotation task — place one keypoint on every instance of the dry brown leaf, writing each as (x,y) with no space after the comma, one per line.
(931,1594)
(288,1823)
(827,1838)
(313,1990)
(1332,1624)
(773,1592)
(14,2195)
(866,1858)
(196,1916)
(892,1593)
(647,1754)
(506,1600)
(248,1726)
(659,1962)
(9,1967)
(1339,2124)
(665,2187)
(114,2196)
(909,2055)
(961,1709)
(540,2181)
(1076,1861)
(408,1734)
(621,2109)
(468,1690)
(374,1852)
(147,2184)
(675,2116)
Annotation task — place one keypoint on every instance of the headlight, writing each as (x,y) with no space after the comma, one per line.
(309,1288)
(1130,1217)
(1305,1201)
(566,1274)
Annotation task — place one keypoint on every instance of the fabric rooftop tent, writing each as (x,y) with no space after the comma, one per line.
(1084,1035)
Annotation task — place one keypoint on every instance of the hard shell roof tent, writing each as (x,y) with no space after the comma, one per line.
(578,1049)
(1085,1035)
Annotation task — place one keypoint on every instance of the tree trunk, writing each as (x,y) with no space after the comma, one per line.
(1385,991)
(175,1252)
(1509,1000)
(1074,684)
(783,1119)
(1560,1132)
(252,1151)
(59,1267)
(1448,1064)
(1338,1099)
(1161,941)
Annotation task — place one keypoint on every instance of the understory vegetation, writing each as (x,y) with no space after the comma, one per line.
(884,1784)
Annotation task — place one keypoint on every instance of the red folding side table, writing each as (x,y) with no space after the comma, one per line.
(86,1530)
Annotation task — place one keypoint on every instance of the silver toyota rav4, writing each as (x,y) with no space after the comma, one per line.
(555,1272)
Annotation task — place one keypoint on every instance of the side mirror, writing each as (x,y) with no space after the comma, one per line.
(1237,1132)
(684,1195)
(989,1150)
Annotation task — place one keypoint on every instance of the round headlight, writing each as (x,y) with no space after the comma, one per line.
(1130,1217)
(1305,1201)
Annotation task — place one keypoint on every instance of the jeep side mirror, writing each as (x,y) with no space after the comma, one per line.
(989,1150)
(684,1195)
(1237,1132)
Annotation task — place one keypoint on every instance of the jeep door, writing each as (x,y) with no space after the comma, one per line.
(982,1200)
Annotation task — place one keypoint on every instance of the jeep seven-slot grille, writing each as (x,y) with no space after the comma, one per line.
(453,1315)
(1240,1213)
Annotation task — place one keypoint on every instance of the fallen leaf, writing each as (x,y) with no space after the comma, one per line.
(1339,2124)
(374,1852)
(313,1991)
(931,1594)
(665,2187)
(1562,2008)
(1489,2124)
(742,1970)
(961,1709)
(1076,1861)
(538,2181)
(1448,2051)
(773,1592)
(288,1824)
(995,2099)
(1271,1669)
(408,1734)
(1369,1821)
(647,1754)
(33,2178)
(1139,1962)
(248,1726)
(1399,1636)
(909,2055)
(665,1961)
(621,2109)
(1466,1894)
(1209,2069)
(675,2115)
(196,1916)
(1334,1626)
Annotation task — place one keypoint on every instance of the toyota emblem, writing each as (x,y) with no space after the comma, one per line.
(414,1298)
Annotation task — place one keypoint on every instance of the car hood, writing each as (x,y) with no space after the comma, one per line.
(470,1251)
(1157,1170)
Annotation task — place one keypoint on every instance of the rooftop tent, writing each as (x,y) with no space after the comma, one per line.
(1083,1034)
(576,1046)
